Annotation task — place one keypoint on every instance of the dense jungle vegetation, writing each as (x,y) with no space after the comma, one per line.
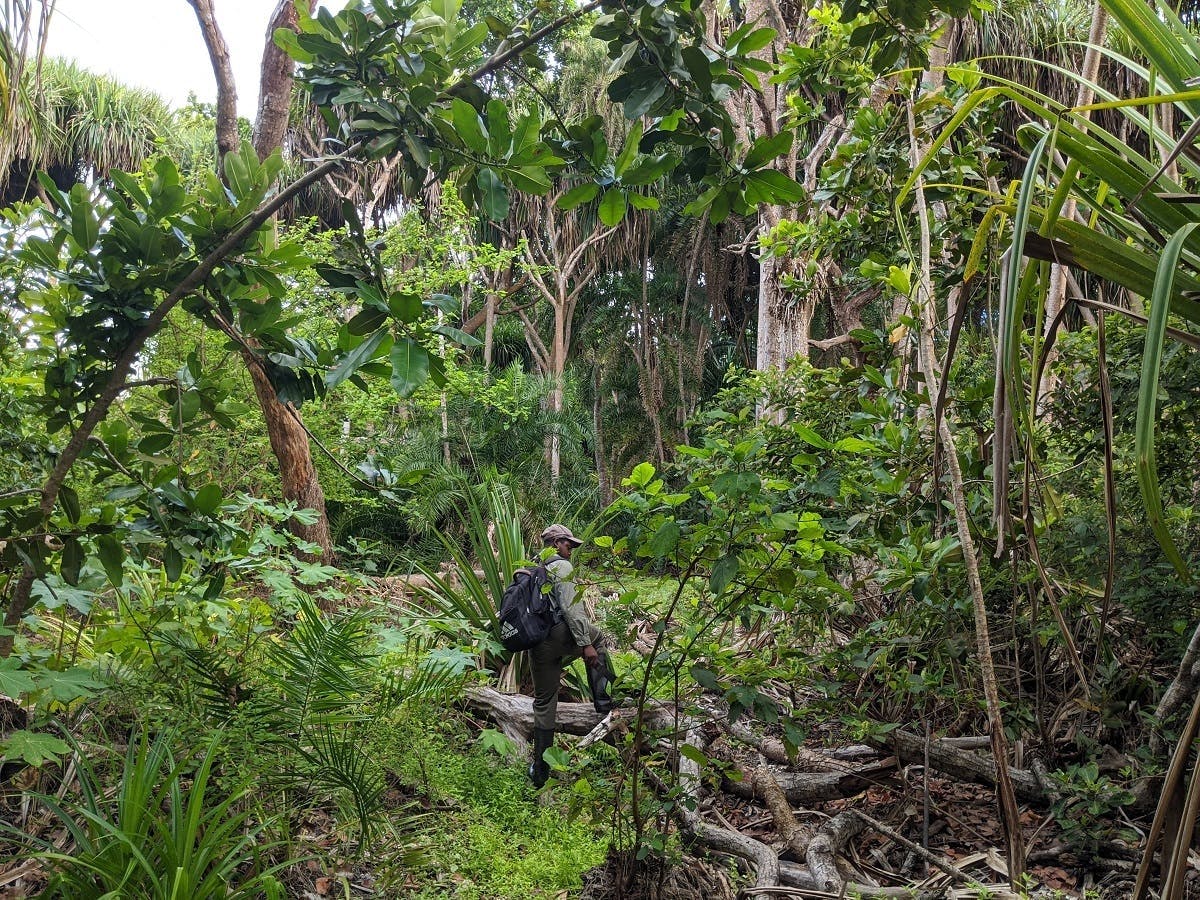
(858,340)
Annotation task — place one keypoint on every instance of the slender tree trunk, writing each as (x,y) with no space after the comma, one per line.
(218,54)
(489,329)
(650,381)
(927,356)
(558,369)
(604,483)
(783,328)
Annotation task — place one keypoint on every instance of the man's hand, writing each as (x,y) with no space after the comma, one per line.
(590,656)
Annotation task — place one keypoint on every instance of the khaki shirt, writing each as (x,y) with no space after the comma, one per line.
(571,605)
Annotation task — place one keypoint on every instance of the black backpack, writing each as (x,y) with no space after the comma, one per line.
(527,610)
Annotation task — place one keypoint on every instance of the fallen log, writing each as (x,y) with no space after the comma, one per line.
(805,788)
(795,835)
(963,764)
(515,711)
(825,848)
(774,750)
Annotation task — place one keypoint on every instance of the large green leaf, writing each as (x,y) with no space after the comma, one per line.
(578,195)
(468,126)
(410,366)
(612,207)
(493,194)
(1147,411)
(112,556)
(365,352)
(33,747)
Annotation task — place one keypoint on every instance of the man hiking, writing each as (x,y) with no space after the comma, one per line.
(572,636)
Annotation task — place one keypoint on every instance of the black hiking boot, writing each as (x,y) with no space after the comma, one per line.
(599,678)
(539,769)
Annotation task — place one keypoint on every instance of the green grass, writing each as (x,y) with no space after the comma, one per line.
(488,836)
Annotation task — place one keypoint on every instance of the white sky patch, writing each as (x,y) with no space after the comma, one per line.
(156,44)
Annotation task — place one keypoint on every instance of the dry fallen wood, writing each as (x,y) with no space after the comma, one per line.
(825,848)
(515,711)
(606,727)
(795,835)
(963,764)
(774,750)
(805,788)
(720,840)
(770,872)
(934,859)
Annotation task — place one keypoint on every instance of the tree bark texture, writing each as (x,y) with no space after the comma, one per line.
(289,442)
(275,83)
(784,321)
(218,54)
(604,481)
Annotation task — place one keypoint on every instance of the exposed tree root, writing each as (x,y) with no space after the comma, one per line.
(795,835)
(822,850)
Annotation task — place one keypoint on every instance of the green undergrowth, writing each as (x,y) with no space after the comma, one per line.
(489,834)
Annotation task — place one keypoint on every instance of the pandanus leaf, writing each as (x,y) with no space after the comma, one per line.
(1147,410)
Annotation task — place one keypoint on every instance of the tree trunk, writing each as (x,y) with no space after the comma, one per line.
(275,83)
(489,329)
(599,453)
(783,322)
(558,368)
(218,54)
(289,441)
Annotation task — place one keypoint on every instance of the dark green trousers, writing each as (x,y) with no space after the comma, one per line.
(546,660)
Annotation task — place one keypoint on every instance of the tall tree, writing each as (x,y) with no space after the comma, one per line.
(564,252)
(285,428)
(783,325)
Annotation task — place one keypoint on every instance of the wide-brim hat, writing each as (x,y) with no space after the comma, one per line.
(556,532)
